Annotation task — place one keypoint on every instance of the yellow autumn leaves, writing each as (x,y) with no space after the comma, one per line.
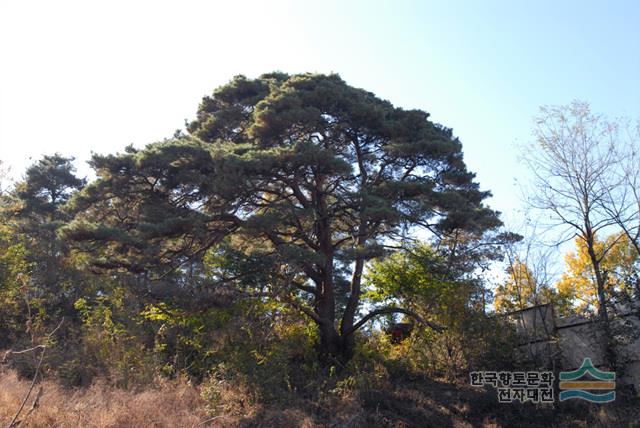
(578,283)
(576,290)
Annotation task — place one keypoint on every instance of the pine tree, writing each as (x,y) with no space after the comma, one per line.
(303,173)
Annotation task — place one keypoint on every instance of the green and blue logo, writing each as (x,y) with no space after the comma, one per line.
(572,387)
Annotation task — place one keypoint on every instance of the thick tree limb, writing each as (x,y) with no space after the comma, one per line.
(303,308)
(307,288)
(392,310)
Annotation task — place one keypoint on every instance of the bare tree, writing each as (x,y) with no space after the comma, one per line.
(530,268)
(622,202)
(572,161)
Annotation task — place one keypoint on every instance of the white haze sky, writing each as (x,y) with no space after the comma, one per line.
(81,76)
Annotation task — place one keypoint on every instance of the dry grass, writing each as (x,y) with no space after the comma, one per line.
(401,403)
(168,404)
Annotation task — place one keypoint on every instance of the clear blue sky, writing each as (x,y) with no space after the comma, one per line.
(77,77)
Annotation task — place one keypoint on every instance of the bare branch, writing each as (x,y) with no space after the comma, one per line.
(14,421)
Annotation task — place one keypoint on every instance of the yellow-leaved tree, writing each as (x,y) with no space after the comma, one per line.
(578,283)
(523,289)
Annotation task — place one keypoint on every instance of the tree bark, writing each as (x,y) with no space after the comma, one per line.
(608,350)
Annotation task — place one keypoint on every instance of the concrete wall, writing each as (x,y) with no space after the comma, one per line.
(547,339)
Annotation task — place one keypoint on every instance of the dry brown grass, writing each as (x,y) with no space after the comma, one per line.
(401,403)
(167,404)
